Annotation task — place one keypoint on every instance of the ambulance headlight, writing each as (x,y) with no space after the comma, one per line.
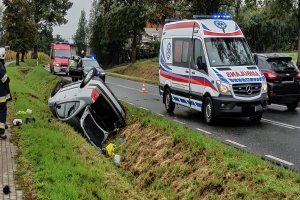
(223,88)
(57,65)
(264,88)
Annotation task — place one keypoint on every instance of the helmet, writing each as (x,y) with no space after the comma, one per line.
(2,53)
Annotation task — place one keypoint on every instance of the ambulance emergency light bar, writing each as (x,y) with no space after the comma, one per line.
(214,16)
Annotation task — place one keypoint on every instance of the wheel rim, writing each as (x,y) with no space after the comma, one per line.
(208,112)
(168,99)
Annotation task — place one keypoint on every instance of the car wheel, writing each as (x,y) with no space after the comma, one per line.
(209,111)
(169,104)
(292,106)
(256,119)
(89,76)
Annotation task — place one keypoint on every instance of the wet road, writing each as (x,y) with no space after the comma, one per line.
(276,138)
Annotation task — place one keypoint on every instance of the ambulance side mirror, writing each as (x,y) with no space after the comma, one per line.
(255,57)
(200,64)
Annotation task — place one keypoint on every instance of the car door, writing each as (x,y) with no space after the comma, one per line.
(76,71)
(181,71)
(199,79)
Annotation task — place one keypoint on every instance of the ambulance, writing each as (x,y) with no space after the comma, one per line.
(206,65)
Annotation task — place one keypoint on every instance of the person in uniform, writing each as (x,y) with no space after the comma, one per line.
(4,95)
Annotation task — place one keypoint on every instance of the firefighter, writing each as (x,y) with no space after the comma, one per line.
(4,96)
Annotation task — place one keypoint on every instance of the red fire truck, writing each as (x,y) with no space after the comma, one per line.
(60,56)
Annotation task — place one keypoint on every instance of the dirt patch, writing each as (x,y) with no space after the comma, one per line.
(25,70)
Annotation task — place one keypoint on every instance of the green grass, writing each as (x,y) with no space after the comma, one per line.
(199,165)
(54,161)
(160,158)
(142,70)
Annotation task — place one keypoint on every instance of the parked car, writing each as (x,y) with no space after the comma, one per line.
(84,65)
(283,78)
(89,106)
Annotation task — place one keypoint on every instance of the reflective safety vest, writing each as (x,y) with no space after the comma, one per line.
(4,85)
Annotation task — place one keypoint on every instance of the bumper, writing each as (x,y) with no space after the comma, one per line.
(61,69)
(228,106)
(284,99)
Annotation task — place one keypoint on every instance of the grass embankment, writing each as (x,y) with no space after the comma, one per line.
(143,70)
(160,158)
(54,161)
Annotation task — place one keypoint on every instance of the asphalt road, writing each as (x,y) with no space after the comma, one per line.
(276,138)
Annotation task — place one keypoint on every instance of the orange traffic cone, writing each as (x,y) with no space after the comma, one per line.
(144,90)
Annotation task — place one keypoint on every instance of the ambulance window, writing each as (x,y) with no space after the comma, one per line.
(181,52)
(198,51)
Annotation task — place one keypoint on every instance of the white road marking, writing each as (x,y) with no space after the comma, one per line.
(235,143)
(175,120)
(204,131)
(281,124)
(144,108)
(280,160)
(281,106)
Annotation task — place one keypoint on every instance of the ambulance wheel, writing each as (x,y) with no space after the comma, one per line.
(256,119)
(169,104)
(209,111)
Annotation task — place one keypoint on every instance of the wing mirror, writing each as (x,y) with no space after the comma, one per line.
(200,64)
(255,57)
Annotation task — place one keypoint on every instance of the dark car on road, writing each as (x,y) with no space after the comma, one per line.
(283,78)
(84,65)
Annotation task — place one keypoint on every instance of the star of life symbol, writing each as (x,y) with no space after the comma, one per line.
(220,24)
(168,51)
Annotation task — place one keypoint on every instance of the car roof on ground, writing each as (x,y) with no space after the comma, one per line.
(273,55)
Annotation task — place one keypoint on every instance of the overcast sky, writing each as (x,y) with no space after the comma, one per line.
(69,29)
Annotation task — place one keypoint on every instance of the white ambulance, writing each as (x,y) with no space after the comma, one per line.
(206,65)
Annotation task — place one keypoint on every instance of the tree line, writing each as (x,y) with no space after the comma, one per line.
(115,27)
(28,24)
(269,25)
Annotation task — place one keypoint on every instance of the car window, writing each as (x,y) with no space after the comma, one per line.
(88,64)
(198,51)
(263,64)
(282,65)
(65,110)
(181,49)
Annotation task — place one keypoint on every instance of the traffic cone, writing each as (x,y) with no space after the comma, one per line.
(144,90)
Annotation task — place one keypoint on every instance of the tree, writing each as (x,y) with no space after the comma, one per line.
(48,13)
(20,29)
(2,42)
(80,37)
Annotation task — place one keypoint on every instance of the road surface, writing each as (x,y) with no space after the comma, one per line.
(276,138)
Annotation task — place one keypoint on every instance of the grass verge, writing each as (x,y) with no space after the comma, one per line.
(55,162)
(171,161)
(143,70)
(160,158)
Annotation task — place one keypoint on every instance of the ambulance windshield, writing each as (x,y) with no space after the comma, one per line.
(228,52)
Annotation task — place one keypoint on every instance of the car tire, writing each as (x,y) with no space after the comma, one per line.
(209,111)
(88,77)
(292,106)
(256,119)
(169,104)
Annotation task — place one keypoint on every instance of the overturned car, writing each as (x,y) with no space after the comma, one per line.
(89,106)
